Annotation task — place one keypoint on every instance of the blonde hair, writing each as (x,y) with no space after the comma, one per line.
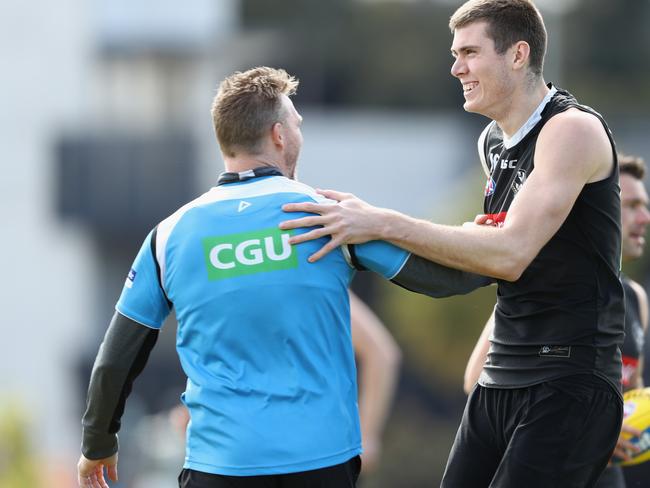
(509,21)
(247,104)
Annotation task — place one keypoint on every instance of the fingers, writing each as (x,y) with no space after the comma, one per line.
(307,207)
(111,471)
(92,481)
(627,446)
(621,454)
(90,473)
(335,195)
(99,476)
(630,430)
(309,236)
(302,222)
(323,251)
(624,448)
(482,219)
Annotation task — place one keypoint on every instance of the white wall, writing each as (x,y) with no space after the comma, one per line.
(47,272)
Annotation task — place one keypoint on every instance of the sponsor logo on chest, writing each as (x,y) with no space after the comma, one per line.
(496,161)
(246,253)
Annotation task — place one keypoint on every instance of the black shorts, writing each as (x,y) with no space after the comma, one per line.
(612,477)
(340,476)
(560,433)
(637,476)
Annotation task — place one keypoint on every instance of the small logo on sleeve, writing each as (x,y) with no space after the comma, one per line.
(555,351)
(130,278)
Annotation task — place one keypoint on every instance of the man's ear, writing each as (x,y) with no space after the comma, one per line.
(520,55)
(277,135)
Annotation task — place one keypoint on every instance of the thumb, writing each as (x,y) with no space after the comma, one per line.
(480,219)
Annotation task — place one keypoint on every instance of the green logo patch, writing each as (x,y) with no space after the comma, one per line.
(248,253)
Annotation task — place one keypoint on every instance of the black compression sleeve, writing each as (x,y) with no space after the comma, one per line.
(437,281)
(121,358)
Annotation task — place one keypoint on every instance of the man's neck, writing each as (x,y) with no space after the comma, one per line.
(248,162)
(522,105)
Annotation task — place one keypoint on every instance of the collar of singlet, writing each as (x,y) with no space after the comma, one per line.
(232,177)
(530,123)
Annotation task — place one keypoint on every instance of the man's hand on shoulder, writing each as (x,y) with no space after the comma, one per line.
(349,221)
(90,472)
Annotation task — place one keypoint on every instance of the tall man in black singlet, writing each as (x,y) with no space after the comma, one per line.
(548,409)
(634,219)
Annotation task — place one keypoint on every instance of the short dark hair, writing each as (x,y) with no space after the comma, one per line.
(247,104)
(631,165)
(509,21)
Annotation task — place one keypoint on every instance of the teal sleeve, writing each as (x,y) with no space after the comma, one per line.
(143,299)
(379,256)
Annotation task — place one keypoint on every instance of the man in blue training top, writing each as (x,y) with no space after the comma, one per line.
(263,336)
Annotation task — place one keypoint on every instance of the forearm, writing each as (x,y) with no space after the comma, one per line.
(377,386)
(435,280)
(121,357)
(479,355)
(378,356)
(483,250)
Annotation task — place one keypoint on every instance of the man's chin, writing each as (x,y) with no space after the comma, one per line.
(469,107)
(633,254)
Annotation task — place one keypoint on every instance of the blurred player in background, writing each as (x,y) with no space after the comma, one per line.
(548,409)
(634,220)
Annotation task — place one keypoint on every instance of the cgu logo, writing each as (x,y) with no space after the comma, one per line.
(248,253)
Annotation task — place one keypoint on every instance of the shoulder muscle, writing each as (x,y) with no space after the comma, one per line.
(578,139)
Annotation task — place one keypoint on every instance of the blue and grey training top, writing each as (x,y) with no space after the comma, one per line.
(263,335)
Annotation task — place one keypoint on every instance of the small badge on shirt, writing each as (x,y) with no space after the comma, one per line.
(555,351)
(130,278)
